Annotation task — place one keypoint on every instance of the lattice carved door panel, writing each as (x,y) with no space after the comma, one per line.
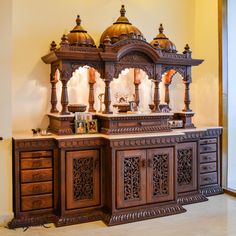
(160,175)
(131,178)
(187,167)
(82,179)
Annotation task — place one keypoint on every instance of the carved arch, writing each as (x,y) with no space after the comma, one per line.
(182,70)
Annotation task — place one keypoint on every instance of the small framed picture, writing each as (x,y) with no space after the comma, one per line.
(80,127)
(92,126)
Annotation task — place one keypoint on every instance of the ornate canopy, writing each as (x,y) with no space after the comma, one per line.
(122,45)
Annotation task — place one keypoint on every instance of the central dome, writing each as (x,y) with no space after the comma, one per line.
(121,29)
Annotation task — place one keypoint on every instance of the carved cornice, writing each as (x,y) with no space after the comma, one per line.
(144,141)
(211,190)
(73,143)
(192,135)
(174,55)
(191,198)
(34,143)
(141,214)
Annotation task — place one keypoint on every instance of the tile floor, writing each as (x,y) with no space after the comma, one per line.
(216,217)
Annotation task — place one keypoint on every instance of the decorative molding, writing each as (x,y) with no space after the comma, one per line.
(94,215)
(191,198)
(192,135)
(43,143)
(31,221)
(213,132)
(143,142)
(174,55)
(211,190)
(75,143)
(141,214)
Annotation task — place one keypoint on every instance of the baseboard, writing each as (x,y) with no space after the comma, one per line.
(5,218)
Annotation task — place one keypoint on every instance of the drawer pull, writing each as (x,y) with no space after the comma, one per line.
(37,203)
(207,179)
(204,168)
(37,189)
(36,154)
(36,176)
(37,164)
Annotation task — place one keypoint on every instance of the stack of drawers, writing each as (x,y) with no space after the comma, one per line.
(36,180)
(208,161)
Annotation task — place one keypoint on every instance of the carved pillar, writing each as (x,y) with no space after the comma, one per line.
(156,98)
(64,97)
(53,82)
(107,96)
(187,97)
(137,81)
(167,95)
(91,89)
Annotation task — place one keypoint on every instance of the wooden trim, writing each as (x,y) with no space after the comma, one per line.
(223,84)
(230,192)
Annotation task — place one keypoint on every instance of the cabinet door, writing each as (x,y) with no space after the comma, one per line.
(131,178)
(186,167)
(82,179)
(160,175)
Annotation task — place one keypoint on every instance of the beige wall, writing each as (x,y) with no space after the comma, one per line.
(37,23)
(5,106)
(205,76)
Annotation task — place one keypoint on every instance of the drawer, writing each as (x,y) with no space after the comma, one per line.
(36,202)
(36,188)
(208,141)
(36,175)
(209,178)
(36,154)
(209,167)
(36,163)
(208,148)
(208,157)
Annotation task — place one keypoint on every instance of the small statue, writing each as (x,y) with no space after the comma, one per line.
(101,97)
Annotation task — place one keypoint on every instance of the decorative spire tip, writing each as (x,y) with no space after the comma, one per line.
(161,29)
(78,20)
(122,10)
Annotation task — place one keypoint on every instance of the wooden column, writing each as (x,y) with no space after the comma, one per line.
(137,81)
(167,81)
(187,97)
(53,81)
(156,98)
(91,89)
(64,97)
(107,96)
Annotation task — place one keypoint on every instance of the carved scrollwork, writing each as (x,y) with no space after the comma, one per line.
(131,178)
(185,166)
(149,69)
(160,174)
(83,178)
(97,66)
(182,70)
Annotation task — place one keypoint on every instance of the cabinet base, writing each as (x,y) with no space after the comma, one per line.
(191,198)
(31,221)
(211,190)
(142,214)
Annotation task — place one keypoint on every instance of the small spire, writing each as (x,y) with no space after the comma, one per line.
(107,41)
(122,10)
(53,46)
(64,40)
(161,29)
(78,20)
(187,49)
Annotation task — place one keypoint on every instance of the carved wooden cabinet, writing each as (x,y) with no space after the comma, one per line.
(34,181)
(209,164)
(82,179)
(146,176)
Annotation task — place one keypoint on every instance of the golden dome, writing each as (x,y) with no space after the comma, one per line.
(121,29)
(163,42)
(79,37)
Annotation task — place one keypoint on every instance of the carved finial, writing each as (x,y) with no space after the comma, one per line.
(107,41)
(78,20)
(64,40)
(53,46)
(161,29)
(122,10)
(187,49)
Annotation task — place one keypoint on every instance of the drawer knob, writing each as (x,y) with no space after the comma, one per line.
(37,188)
(37,203)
